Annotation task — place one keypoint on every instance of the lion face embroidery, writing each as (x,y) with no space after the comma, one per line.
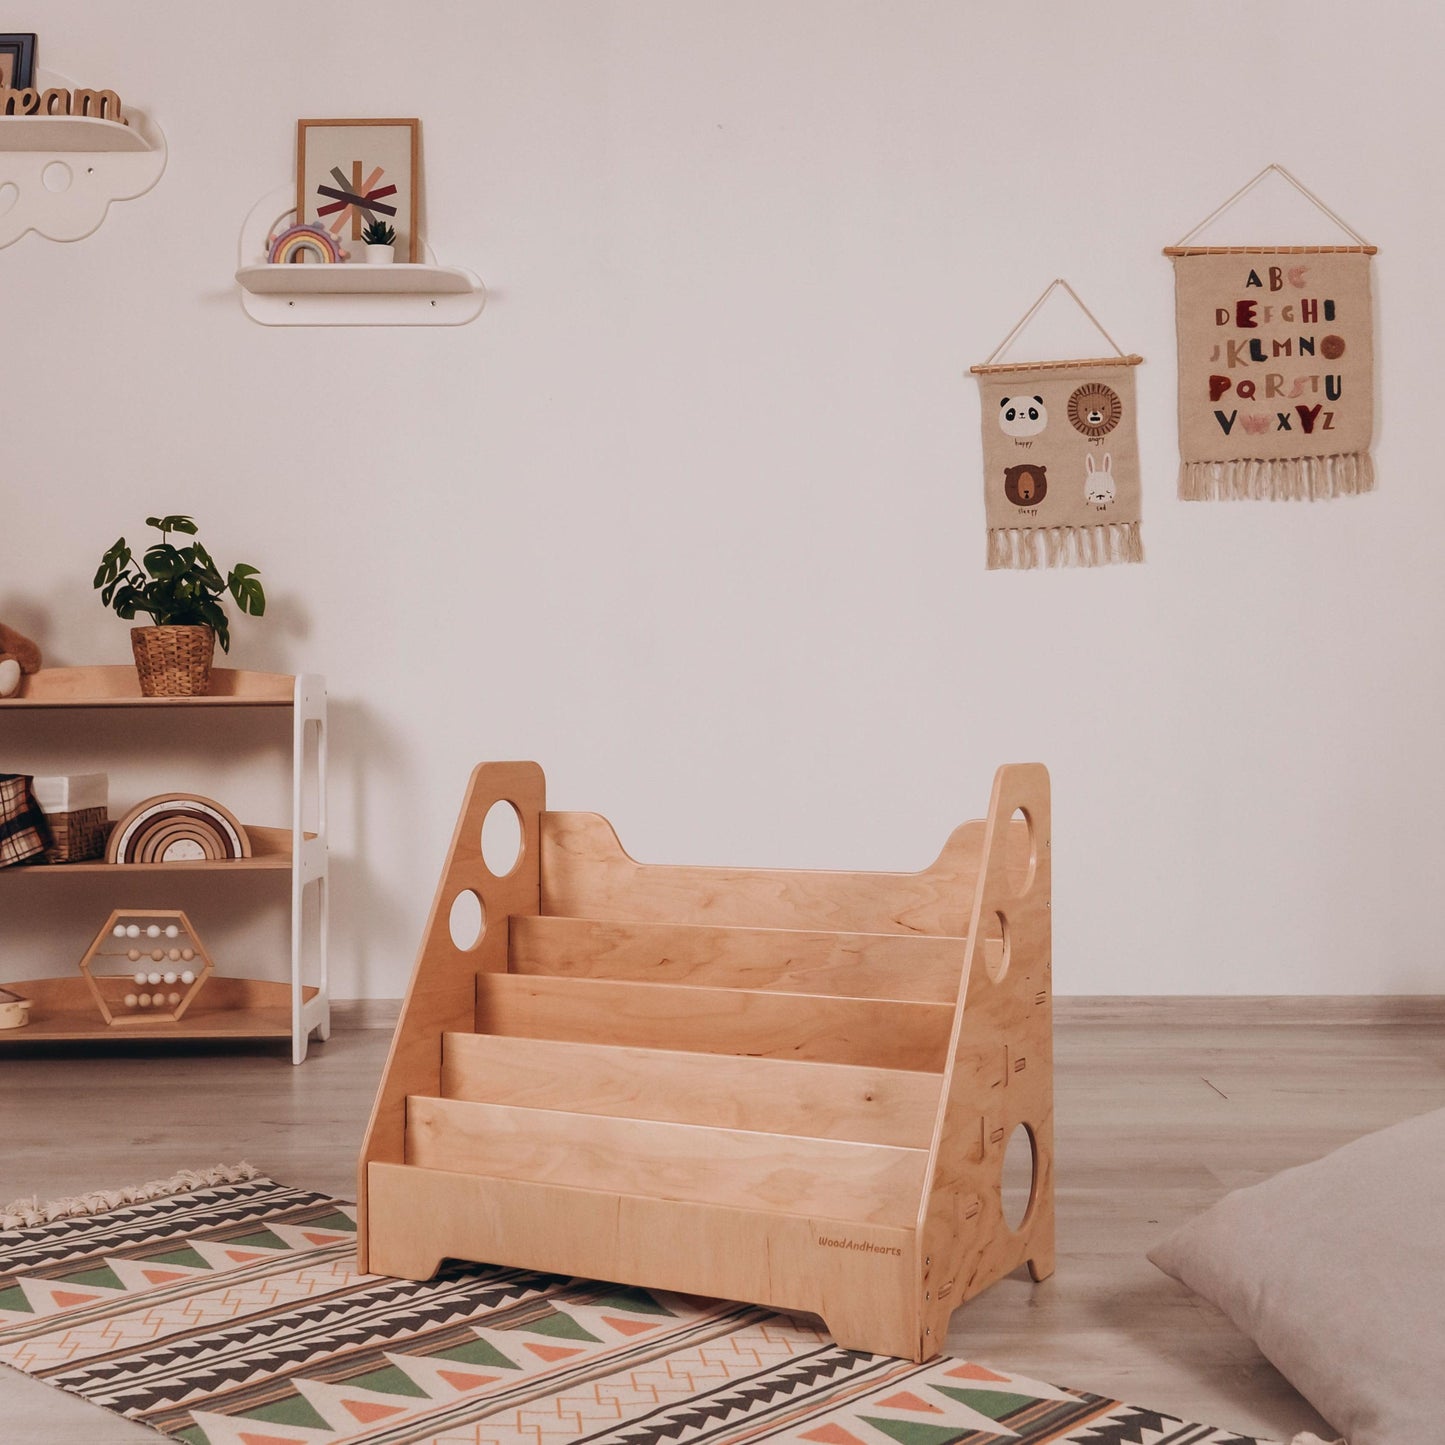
(1095,409)
(1026,485)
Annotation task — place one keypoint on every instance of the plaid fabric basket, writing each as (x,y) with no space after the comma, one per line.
(24,832)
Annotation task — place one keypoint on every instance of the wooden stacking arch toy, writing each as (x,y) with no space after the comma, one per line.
(790,1088)
(177,828)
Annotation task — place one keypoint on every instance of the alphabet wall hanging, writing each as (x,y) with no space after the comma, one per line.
(1060,456)
(1276,365)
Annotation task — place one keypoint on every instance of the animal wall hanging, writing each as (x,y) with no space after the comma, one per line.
(1276,365)
(1060,456)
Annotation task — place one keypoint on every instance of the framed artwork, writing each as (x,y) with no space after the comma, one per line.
(17,61)
(352,172)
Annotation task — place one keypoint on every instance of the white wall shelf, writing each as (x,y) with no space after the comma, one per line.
(59,174)
(352,293)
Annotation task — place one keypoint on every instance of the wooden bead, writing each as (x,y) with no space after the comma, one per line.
(173,999)
(130,1000)
(132,930)
(188,954)
(118,931)
(140,977)
(172,931)
(154,931)
(144,1000)
(168,978)
(133,954)
(188,977)
(158,955)
(153,978)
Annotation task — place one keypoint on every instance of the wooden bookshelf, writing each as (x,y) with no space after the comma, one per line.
(63,1008)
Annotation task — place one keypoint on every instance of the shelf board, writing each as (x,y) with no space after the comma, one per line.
(118,686)
(228,1008)
(68,135)
(355,294)
(270,852)
(356,279)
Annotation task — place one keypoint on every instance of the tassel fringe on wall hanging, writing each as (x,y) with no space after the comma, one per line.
(1276,365)
(1060,456)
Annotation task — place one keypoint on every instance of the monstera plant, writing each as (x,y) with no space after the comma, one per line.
(180,588)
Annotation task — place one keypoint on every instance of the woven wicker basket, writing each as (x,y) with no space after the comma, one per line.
(173,661)
(79,836)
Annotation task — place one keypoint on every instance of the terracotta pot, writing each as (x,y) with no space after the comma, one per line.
(173,661)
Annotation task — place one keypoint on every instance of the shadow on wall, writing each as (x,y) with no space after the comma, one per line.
(365,910)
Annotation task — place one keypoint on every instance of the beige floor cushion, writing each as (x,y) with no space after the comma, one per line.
(1337,1271)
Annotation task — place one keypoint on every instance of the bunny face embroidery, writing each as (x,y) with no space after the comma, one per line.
(1099,481)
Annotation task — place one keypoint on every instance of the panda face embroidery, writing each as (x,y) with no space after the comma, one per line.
(1022,416)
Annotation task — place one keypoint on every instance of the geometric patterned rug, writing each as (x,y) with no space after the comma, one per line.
(232,1314)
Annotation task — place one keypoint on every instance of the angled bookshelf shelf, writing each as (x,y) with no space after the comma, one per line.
(233,1007)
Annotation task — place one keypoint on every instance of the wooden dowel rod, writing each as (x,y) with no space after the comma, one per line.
(984,370)
(1271,250)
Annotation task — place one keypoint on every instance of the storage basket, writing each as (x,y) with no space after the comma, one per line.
(173,661)
(77,810)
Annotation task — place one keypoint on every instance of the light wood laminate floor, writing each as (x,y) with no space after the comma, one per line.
(1162,1107)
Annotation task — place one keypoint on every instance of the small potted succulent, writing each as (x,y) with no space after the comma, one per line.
(180,589)
(380,242)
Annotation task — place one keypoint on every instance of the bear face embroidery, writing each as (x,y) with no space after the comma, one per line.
(1026,485)
(1022,416)
(1095,409)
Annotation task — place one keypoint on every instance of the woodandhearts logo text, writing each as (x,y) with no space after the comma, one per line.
(864,1246)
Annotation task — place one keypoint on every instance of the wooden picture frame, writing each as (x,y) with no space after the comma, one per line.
(341,164)
(17,61)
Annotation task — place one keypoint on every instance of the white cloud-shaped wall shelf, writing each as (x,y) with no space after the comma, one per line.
(60,173)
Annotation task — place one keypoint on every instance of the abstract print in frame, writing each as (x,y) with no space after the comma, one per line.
(1061,457)
(352,172)
(1276,366)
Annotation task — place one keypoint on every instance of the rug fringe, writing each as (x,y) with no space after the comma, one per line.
(1024,548)
(23,1213)
(1285,479)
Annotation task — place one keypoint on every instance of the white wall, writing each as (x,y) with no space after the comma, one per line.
(692,514)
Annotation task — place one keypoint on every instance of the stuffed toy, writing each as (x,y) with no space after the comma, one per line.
(18,656)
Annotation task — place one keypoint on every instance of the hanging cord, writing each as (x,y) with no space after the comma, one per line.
(1034,311)
(1182,244)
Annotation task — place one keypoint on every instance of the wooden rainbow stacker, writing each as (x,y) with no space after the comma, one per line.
(789,1088)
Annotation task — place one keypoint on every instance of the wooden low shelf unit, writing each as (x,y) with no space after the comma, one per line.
(791,1088)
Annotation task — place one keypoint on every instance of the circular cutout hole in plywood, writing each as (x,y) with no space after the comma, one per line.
(502,838)
(996,946)
(1022,853)
(1020,1176)
(467,920)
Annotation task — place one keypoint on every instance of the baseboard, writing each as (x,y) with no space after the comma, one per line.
(1245,1010)
(1180,1010)
(354,1014)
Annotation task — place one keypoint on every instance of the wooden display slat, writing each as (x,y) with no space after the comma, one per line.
(775,1096)
(906,967)
(736,1168)
(880,1033)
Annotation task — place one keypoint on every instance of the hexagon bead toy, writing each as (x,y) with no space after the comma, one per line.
(109,970)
